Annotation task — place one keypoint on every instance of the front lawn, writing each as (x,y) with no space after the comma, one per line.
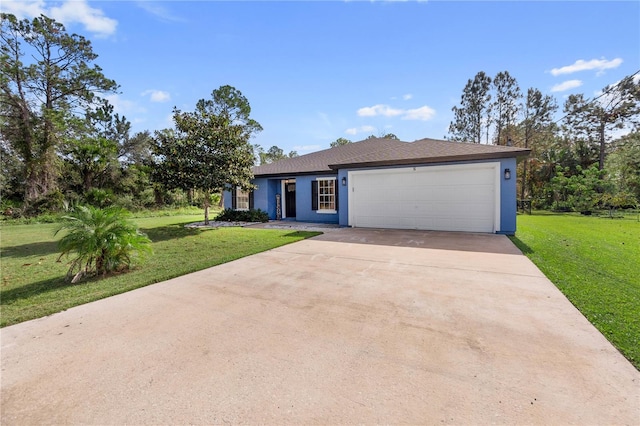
(33,282)
(595,262)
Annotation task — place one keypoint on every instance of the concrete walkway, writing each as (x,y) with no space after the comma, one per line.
(353,326)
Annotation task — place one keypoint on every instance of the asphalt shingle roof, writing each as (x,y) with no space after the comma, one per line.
(386,152)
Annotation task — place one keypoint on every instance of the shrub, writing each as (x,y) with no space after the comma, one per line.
(100,241)
(52,202)
(253,215)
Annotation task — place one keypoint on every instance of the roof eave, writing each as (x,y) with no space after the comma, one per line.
(294,174)
(428,160)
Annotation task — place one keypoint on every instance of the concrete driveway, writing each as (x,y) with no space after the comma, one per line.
(354,326)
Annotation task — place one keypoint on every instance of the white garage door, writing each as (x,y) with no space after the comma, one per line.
(444,198)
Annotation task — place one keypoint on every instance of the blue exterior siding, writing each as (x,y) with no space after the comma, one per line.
(261,195)
(264,196)
(304,213)
(508,206)
(343,198)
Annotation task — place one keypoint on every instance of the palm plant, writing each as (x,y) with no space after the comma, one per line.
(100,241)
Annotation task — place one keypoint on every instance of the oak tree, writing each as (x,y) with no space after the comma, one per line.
(209,149)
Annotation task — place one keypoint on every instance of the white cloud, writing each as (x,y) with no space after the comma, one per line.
(306,148)
(582,65)
(379,109)
(23,9)
(159,11)
(423,113)
(361,129)
(124,106)
(407,96)
(157,95)
(566,85)
(67,13)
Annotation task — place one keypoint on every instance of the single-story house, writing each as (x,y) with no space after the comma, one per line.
(383,183)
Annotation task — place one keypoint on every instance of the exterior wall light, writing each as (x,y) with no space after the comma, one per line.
(507,174)
(344,181)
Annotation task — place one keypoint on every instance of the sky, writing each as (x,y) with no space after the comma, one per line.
(315,71)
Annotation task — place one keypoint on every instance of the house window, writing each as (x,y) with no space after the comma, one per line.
(324,195)
(242,199)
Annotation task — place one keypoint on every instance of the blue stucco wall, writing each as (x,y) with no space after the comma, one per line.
(508,206)
(343,199)
(303,202)
(264,196)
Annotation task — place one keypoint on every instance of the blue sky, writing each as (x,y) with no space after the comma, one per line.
(317,71)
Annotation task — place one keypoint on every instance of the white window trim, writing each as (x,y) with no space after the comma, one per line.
(326,211)
(248,204)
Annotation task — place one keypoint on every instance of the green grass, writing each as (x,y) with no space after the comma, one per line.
(33,282)
(595,262)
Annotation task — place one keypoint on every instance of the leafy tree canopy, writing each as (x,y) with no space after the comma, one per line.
(340,142)
(273,154)
(209,149)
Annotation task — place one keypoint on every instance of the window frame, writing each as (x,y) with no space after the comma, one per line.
(329,183)
(238,193)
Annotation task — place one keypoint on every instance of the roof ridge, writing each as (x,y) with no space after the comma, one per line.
(385,152)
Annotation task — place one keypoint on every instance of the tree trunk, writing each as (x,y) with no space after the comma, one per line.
(524,166)
(41,178)
(602,146)
(157,195)
(207,198)
(524,179)
(88,179)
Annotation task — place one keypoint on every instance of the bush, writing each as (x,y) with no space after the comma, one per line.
(50,203)
(622,200)
(101,240)
(230,215)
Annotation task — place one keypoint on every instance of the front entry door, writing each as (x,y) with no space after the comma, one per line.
(290,199)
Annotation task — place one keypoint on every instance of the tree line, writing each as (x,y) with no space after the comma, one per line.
(576,162)
(61,142)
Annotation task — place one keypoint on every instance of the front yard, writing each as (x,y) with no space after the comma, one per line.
(595,262)
(33,283)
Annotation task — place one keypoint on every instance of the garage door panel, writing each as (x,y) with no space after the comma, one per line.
(451,198)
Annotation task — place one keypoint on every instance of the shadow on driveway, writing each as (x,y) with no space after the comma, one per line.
(439,240)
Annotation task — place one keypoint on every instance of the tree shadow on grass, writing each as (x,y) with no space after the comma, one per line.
(38,288)
(34,289)
(42,248)
(525,249)
(171,232)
